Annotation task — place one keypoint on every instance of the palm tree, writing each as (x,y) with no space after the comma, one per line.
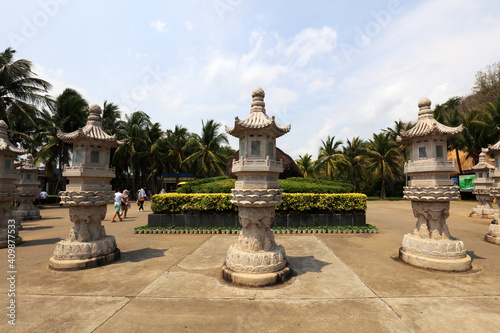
(384,158)
(394,133)
(475,134)
(306,165)
(329,154)
(354,160)
(177,145)
(111,120)
(207,157)
(154,166)
(22,96)
(128,158)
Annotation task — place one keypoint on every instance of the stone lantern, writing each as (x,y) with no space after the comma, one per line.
(482,185)
(430,190)
(256,260)
(27,188)
(87,195)
(493,235)
(8,177)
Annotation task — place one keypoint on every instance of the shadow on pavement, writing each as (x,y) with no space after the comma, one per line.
(142,254)
(302,265)
(41,242)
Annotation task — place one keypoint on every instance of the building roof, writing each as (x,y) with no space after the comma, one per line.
(5,144)
(482,165)
(427,125)
(92,131)
(258,119)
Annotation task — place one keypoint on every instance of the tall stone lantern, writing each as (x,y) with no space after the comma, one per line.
(482,185)
(87,195)
(27,188)
(493,235)
(8,176)
(256,260)
(430,190)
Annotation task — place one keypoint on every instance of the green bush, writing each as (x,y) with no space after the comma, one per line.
(292,203)
(289,185)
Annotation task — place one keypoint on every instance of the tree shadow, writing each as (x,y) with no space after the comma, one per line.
(41,241)
(142,254)
(302,265)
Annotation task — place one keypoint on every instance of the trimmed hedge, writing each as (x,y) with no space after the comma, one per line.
(171,203)
(289,185)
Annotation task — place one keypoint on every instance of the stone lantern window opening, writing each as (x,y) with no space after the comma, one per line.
(7,164)
(242,149)
(422,152)
(78,156)
(94,156)
(439,151)
(106,158)
(255,150)
(270,149)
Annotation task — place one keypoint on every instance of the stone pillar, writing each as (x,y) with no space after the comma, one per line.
(493,235)
(26,190)
(430,190)
(256,260)
(87,195)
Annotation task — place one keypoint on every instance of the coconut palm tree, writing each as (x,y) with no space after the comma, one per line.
(329,155)
(177,141)
(354,160)
(384,158)
(306,165)
(111,120)
(22,96)
(128,158)
(207,157)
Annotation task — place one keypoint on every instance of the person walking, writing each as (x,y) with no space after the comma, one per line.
(141,197)
(125,204)
(118,205)
(43,198)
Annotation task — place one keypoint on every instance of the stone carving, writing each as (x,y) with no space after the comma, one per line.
(87,194)
(430,191)
(482,186)
(26,190)
(493,235)
(8,177)
(256,260)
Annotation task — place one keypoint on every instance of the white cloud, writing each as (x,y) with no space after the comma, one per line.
(56,77)
(189,26)
(310,43)
(159,26)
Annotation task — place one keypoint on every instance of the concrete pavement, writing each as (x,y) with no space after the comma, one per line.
(172,282)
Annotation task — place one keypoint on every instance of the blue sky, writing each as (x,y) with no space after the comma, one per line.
(339,68)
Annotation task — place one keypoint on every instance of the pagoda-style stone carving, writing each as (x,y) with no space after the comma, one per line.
(256,260)
(493,235)
(430,191)
(27,188)
(87,195)
(8,176)
(482,185)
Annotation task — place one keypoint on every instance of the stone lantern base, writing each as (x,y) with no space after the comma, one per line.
(484,208)
(5,217)
(443,255)
(256,260)
(493,235)
(88,245)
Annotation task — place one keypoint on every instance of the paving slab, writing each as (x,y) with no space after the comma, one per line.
(195,315)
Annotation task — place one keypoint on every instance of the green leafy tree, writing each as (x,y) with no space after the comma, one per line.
(306,165)
(354,160)
(22,96)
(111,120)
(207,157)
(384,159)
(329,155)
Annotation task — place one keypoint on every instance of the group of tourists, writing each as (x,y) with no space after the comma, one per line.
(122,203)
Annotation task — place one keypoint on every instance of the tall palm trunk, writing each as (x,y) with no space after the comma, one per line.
(458,161)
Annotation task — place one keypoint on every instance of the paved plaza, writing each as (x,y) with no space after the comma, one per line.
(172,282)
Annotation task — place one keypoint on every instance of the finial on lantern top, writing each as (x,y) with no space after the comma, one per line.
(424,105)
(258,104)
(3,129)
(95,112)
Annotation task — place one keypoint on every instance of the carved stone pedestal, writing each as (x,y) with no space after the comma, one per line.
(256,260)
(26,209)
(88,245)
(7,233)
(493,235)
(431,245)
(484,208)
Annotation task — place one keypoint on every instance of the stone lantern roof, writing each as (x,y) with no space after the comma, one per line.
(482,165)
(5,144)
(92,132)
(258,119)
(427,125)
(28,164)
(494,149)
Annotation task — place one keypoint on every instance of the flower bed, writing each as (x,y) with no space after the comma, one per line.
(277,230)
